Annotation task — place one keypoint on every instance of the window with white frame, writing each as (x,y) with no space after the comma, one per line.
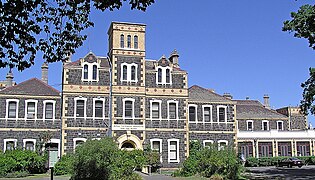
(90,71)
(173,150)
(29,144)
(280,125)
(128,41)
(79,107)
(135,42)
(156,145)
(9,144)
(129,72)
(222,144)
(207,113)
(207,143)
(31,109)
(98,104)
(122,41)
(155,109)
(222,114)
(163,75)
(77,142)
(192,110)
(12,108)
(265,125)
(49,109)
(172,107)
(128,108)
(250,125)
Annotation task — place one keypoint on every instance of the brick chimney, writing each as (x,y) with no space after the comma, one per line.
(266,101)
(45,72)
(228,96)
(9,81)
(174,58)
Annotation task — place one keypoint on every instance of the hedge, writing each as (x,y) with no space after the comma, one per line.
(272,161)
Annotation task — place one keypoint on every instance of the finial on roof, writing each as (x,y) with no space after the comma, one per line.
(174,58)
(9,78)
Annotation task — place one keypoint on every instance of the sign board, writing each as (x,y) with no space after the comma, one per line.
(128,127)
(53,158)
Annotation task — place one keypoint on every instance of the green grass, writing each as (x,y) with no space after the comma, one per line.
(37,176)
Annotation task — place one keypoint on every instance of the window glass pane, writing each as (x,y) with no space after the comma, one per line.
(136,42)
(124,72)
(250,125)
(172,111)
(122,39)
(128,109)
(12,110)
(29,145)
(94,72)
(159,75)
(80,108)
(192,114)
(168,76)
(10,145)
(133,72)
(265,126)
(129,41)
(155,110)
(78,143)
(173,150)
(30,110)
(221,114)
(49,111)
(206,114)
(156,146)
(85,72)
(98,108)
(280,126)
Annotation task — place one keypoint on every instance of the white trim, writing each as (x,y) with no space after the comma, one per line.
(90,71)
(278,126)
(203,113)
(160,110)
(158,140)
(133,107)
(7,108)
(75,142)
(168,109)
(262,125)
(8,140)
(54,108)
(29,140)
(169,150)
(248,121)
(26,106)
(103,111)
(222,141)
(129,66)
(206,141)
(163,75)
(225,112)
(196,109)
(75,106)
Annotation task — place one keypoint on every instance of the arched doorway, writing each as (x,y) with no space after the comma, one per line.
(129,142)
(128,145)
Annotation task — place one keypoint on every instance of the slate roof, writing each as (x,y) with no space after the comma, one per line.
(253,109)
(197,93)
(104,60)
(149,65)
(33,87)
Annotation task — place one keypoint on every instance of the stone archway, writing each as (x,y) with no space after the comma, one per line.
(129,141)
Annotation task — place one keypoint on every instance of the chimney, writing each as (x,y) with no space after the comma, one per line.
(228,96)
(247,97)
(174,58)
(9,81)
(266,101)
(45,72)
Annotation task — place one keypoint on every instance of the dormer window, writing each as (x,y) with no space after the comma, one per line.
(135,41)
(122,39)
(94,72)
(90,71)
(163,75)
(128,41)
(129,72)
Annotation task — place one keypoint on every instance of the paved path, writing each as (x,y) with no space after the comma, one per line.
(156,177)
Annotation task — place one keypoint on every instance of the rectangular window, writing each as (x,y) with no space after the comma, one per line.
(49,111)
(265,149)
(129,41)
(192,113)
(221,114)
(155,110)
(265,126)
(136,42)
(128,109)
(29,145)
(168,76)
(12,109)
(207,114)
(98,108)
(303,149)
(280,125)
(249,125)
(30,110)
(172,110)
(80,108)
(156,146)
(10,145)
(173,150)
(133,72)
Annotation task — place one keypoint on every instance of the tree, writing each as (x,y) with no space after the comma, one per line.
(53,27)
(302,25)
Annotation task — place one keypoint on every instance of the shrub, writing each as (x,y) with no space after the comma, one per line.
(64,165)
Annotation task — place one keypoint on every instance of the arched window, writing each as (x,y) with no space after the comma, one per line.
(86,72)
(128,41)
(122,39)
(94,72)
(159,75)
(135,42)
(133,72)
(125,72)
(168,76)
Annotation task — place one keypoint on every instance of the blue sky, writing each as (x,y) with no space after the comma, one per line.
(229,46)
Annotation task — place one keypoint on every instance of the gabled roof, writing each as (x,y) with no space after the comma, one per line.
(150,65)
(33,87)
(253,109)
(90,57)
(197,93)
